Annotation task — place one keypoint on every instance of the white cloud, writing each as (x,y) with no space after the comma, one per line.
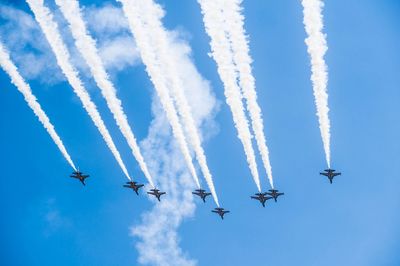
(53,219)
(107,19)
(28,47)
(119,53)
(33,56)
(116,46)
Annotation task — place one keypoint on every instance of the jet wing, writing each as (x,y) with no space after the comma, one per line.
(128,186)
(325,174)
(162,193)
(336,174)
(257,198)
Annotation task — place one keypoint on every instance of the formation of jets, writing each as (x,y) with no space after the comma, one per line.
(262,197)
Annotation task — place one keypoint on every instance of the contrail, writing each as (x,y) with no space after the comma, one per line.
(50,29)
(153,69)
(221,52)
(234,20)
(317,47)
(24,88)
(87,47)
(161,44)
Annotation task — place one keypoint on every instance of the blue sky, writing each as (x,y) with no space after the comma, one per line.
(48,219)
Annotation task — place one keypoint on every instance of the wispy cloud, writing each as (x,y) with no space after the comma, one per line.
(118,53)
(107,20)
(33,55)
(53,219)
(30,50)
(116,45)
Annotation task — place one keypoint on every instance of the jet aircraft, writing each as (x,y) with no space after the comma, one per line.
(133,185)
(261,197)
(220,211)
(79,175)
(275,194)
(201,193)
(330,173)
(155,192)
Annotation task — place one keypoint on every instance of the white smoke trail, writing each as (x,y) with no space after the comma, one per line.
(9,67)
(161,43)
(154,69)
(221,52)
(46,21)
(157,237)
(87,47)
(241,57)
(317,47)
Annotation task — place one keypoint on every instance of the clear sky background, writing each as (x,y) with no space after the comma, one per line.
(49,219)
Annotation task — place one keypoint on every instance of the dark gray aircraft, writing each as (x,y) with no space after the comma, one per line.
(330,173)
(261,197)
(133,185)
(201,193)
(221,212)
(155,192)
(78,175)
(275,194)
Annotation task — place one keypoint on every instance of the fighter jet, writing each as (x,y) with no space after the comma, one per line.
(261,197)
(275,194)
(155,192)
(201,193)
(133,185)
(330,173)
(78,175)
(220,211)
